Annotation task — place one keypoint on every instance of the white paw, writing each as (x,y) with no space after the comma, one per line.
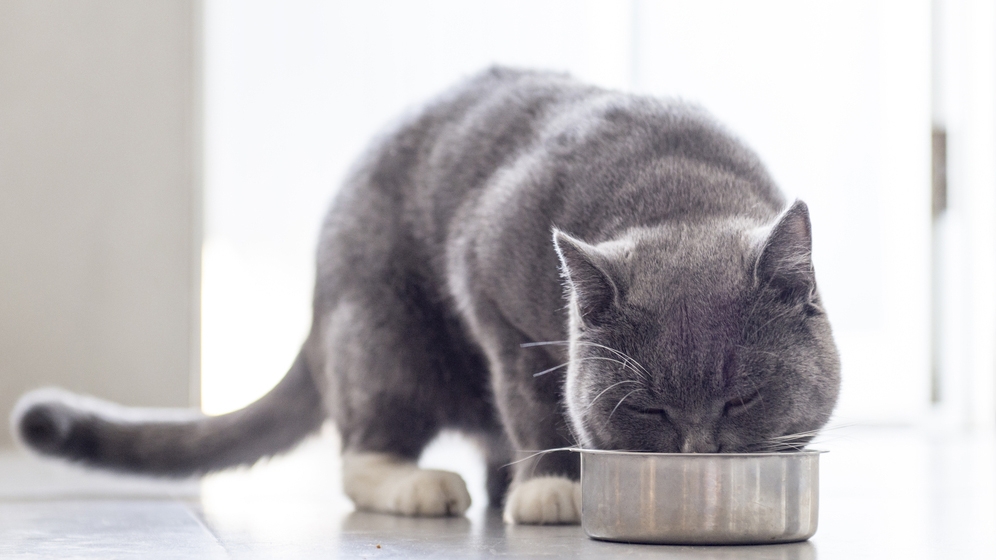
(384,483)
(544,501)
(428,493)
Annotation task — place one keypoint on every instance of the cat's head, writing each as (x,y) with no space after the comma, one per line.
(698,338)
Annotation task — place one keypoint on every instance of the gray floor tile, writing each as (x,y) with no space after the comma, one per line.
(108,529)
(885,493)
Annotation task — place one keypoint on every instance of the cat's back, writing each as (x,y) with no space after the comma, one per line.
(576,153)
(508,154)
(595,142)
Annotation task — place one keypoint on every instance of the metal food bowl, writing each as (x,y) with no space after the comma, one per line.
(700,498)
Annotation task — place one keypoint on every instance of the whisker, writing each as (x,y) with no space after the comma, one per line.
(816,432)
(620,402)
(546,343)
(781,447)
(790,442)
(620,362)
(626,357)
(625,362)
(586,358)
(538,453)
(605,390)
(795,436)
(619,353)
(834,426)
(548,370)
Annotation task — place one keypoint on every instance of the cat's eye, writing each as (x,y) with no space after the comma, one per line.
(648,411)
(738,405)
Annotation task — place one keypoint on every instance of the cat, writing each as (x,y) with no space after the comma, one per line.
(540,264)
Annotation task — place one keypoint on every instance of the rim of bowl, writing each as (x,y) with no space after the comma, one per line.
(804,452)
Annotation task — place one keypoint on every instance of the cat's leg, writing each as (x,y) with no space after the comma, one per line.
(498,465)
(545,487)
(385,386)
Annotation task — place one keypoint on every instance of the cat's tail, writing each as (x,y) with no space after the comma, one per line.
(173,443)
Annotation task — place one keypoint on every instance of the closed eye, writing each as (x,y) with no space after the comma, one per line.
(647,411)
(738,405)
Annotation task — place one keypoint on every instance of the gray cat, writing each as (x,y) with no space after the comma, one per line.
(539,264)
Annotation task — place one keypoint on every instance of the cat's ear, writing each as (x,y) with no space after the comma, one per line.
(786,261)
(588,274)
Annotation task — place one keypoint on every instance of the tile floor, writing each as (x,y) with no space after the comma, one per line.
(885,493)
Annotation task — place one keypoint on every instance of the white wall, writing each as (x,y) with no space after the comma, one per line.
(100,199)
(834,97)
(965,106)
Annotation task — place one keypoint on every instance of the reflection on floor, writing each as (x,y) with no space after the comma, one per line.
(885,493)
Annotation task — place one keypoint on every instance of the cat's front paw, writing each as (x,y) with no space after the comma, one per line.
(546,500)
(423,492)
(389,484)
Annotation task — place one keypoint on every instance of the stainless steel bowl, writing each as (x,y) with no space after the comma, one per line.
(700,498)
